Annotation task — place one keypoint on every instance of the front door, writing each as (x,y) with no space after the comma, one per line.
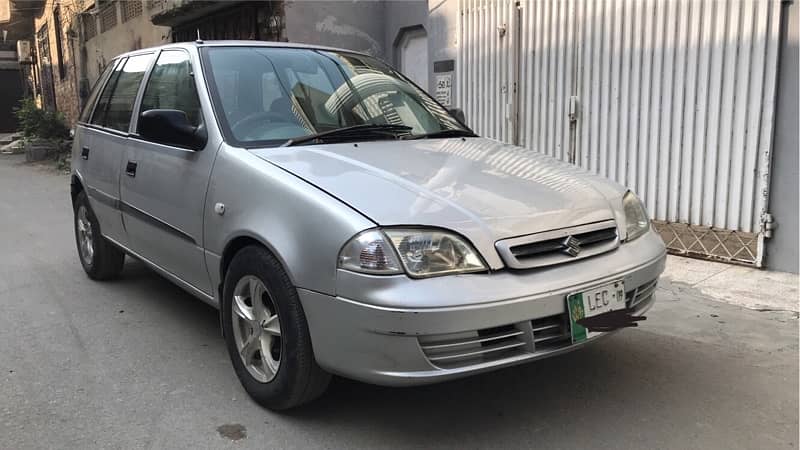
(163,187)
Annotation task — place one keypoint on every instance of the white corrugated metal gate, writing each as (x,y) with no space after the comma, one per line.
(673,98)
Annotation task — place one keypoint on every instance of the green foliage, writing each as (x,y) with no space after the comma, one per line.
(38,123)
(64,161)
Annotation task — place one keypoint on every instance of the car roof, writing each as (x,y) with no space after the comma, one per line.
(270,44)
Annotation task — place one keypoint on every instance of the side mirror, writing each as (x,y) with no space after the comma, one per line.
(171,127)
(458,113)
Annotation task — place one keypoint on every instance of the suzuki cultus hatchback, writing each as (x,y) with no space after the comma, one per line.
(344,222)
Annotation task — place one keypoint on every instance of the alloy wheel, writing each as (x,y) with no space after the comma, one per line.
(85,236)
(256,328)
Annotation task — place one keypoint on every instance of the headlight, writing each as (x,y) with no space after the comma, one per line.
(422,253)
(635,216)
(426,253)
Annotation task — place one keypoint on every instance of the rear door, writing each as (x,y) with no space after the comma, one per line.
(82,165)
(102,142)
(164,187)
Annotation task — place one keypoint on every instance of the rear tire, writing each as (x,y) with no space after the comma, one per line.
(101,260)
(266,333)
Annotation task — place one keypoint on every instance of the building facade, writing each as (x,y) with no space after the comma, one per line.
(74,39)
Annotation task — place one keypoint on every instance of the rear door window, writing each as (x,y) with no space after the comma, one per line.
(117,107)
(99,115)
(89,106)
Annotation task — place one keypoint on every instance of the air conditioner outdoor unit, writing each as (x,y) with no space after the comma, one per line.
(24,52)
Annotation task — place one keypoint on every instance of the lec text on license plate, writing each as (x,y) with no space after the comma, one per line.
(593,302)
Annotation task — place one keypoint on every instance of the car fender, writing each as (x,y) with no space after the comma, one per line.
(304,227)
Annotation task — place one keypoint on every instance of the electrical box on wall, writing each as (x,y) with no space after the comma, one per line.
(24,52)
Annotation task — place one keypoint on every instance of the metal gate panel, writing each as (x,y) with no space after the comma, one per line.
(675,99)
(684,114)
(486,66)
(547,75)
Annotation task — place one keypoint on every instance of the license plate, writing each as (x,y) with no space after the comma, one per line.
(593,302)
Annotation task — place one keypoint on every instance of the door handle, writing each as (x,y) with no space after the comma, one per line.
(85,153)
(130,169)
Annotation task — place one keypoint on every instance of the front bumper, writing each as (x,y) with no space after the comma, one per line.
(399,332)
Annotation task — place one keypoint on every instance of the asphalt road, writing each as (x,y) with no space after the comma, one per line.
(138,363)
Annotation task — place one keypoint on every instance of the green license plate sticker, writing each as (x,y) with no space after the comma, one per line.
(590,303)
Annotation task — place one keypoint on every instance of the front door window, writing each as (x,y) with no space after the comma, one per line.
(171,86)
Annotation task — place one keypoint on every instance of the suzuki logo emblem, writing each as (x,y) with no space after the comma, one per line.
(571,246)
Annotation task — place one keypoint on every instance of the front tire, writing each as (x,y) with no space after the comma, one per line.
(100,259)
(267,334)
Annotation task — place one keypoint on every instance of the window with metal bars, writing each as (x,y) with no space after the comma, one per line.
(43,44)
(46,69)
(156,5)
(131,9)
(62,69)
(89,26)
(108,17)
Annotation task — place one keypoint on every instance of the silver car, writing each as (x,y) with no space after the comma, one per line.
(344,222)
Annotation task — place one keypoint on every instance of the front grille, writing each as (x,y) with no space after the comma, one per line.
(551,333)
(584,240)
(449,351)
(559,246)
(641,295)
(534,337)
(472,347)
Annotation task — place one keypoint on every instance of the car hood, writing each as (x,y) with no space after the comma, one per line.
(483,189)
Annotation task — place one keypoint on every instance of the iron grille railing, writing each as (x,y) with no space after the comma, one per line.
(696,241)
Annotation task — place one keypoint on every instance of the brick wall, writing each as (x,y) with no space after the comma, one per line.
(89,38)
(59,64)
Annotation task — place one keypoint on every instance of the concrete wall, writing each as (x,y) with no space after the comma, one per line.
(354,25)
(402,15)
(370,26)
(782,249)
(443,40)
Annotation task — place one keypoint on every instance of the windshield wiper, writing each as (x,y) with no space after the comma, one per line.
(355,131)
(443,134)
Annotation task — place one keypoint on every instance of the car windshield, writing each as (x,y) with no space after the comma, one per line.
(267,96)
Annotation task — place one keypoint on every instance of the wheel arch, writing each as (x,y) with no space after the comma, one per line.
(75,186)
(237,243)
(234,245)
